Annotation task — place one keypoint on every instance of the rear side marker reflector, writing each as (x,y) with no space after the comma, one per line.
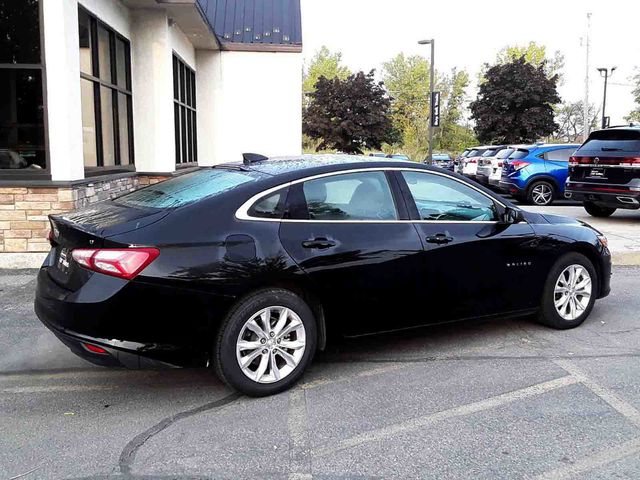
(95,349)
(118,262)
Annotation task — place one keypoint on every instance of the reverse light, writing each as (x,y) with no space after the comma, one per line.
(118,262)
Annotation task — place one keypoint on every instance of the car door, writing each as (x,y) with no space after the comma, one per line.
(347,233)
(472,264)
(557,164)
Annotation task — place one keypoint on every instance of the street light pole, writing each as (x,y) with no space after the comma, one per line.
(431,42)
(604,72)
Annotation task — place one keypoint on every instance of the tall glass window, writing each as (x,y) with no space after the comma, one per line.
(105,81)
(22,136)
(184,112)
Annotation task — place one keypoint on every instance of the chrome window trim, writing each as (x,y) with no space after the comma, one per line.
(243,212)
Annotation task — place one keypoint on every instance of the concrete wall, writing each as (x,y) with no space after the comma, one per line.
(254,100)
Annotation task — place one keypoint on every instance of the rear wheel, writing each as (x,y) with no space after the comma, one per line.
(569,292)
(541,193)
(598,211)
(266,342)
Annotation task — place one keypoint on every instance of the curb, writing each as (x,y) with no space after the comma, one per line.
(15,261)
(625,259)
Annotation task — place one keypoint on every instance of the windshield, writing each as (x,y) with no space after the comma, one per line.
(518,154)
(613,141)
(491,152)
(188,188)
(505,153)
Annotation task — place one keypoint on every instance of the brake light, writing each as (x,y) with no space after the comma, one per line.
(499,164)
(95,349)
(519,165)
(473,160)
(122,263)
(621,161)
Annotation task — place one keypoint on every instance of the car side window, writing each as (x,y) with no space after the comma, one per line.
(440,198)
(351,196)
(271,206)
(561,155)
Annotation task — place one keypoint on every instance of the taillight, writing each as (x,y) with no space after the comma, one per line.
(499,164)
(519,165)
(621,161)
(118,262)
(473,160)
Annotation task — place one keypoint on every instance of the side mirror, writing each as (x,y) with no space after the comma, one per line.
(512,215)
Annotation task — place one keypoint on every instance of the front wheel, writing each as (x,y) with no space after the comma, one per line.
(569,292)
(265,343)
(598,211)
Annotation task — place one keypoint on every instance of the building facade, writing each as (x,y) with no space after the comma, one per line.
(99,97)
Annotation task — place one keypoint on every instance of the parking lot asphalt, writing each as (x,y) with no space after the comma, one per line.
(495,399)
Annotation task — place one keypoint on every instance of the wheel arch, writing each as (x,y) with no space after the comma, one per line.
(543,177)
(594,257)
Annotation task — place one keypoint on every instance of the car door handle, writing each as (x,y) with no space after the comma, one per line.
(319,243)
(440,238)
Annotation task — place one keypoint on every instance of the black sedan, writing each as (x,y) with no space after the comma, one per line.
(250,267)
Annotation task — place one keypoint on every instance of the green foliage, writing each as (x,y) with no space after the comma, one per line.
(634,116)
(534,54)
(452,136)
(348,115)
(323,64)
(515,103)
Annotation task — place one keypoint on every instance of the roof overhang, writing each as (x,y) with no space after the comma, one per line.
(187,15)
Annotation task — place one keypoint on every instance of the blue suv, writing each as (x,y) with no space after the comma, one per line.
(536,174)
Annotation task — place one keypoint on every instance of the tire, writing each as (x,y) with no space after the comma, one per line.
(550,315)
(266,380)
(541,193)
(597,211)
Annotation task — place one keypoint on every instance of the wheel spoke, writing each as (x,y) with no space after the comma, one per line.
(287,357)
(246,345)
(274,366)
(290,328)
(562,301)
(284,315)
(292,344)
(264,363)
(582,285)
(255,328)
(249,358)
(266,320)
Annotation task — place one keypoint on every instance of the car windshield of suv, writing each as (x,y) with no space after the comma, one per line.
(518,154)
(188,188)
(491,152)
(505,153)
(613,141)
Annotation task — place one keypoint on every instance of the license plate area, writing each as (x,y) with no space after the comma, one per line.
(62,262)
(597,173)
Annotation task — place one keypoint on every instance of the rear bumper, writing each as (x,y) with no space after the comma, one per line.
(511,188)
(139,325)
(628,200)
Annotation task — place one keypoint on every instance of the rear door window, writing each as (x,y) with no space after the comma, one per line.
(520,153)
(504,153)
(350,196)
(188,188)
(561,155)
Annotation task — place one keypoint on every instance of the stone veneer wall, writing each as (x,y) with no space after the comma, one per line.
(24,223)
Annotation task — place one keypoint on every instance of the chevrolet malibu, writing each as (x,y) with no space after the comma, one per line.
(249,268)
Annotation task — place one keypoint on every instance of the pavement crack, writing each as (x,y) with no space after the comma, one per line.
(128,454)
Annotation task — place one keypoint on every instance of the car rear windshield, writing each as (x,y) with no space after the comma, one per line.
(613,141)
(518,154)
(491,152)
(474,153)
(504,153)
(188,188)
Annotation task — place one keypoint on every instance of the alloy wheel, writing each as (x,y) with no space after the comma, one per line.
(271,344)
(572,292)
(542,194)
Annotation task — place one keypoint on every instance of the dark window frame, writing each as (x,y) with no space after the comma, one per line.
(45,173)
(99,83)
(185,113)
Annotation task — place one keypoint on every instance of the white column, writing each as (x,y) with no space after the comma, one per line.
(152,73)
(209,103)
(64,111)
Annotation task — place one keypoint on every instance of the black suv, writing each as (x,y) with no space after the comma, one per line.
(604,173)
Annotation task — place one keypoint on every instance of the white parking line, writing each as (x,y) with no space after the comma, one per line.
(367,373)
(468,409)
(620,405)
(57,388)
(601,458)
(298,425)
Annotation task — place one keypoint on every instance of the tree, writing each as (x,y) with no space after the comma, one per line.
(325,64)
(452,136)
(515,103)
(536,55)
(407,80)
(634,116)
(570,119)
(349,115)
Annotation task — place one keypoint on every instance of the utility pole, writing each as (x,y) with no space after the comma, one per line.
(606,73)
(585,113)
(431,42)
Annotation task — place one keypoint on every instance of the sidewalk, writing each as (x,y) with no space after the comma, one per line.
(622,229)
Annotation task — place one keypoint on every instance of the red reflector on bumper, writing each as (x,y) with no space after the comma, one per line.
(95,349)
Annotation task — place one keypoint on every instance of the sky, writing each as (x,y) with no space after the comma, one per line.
(469,33)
